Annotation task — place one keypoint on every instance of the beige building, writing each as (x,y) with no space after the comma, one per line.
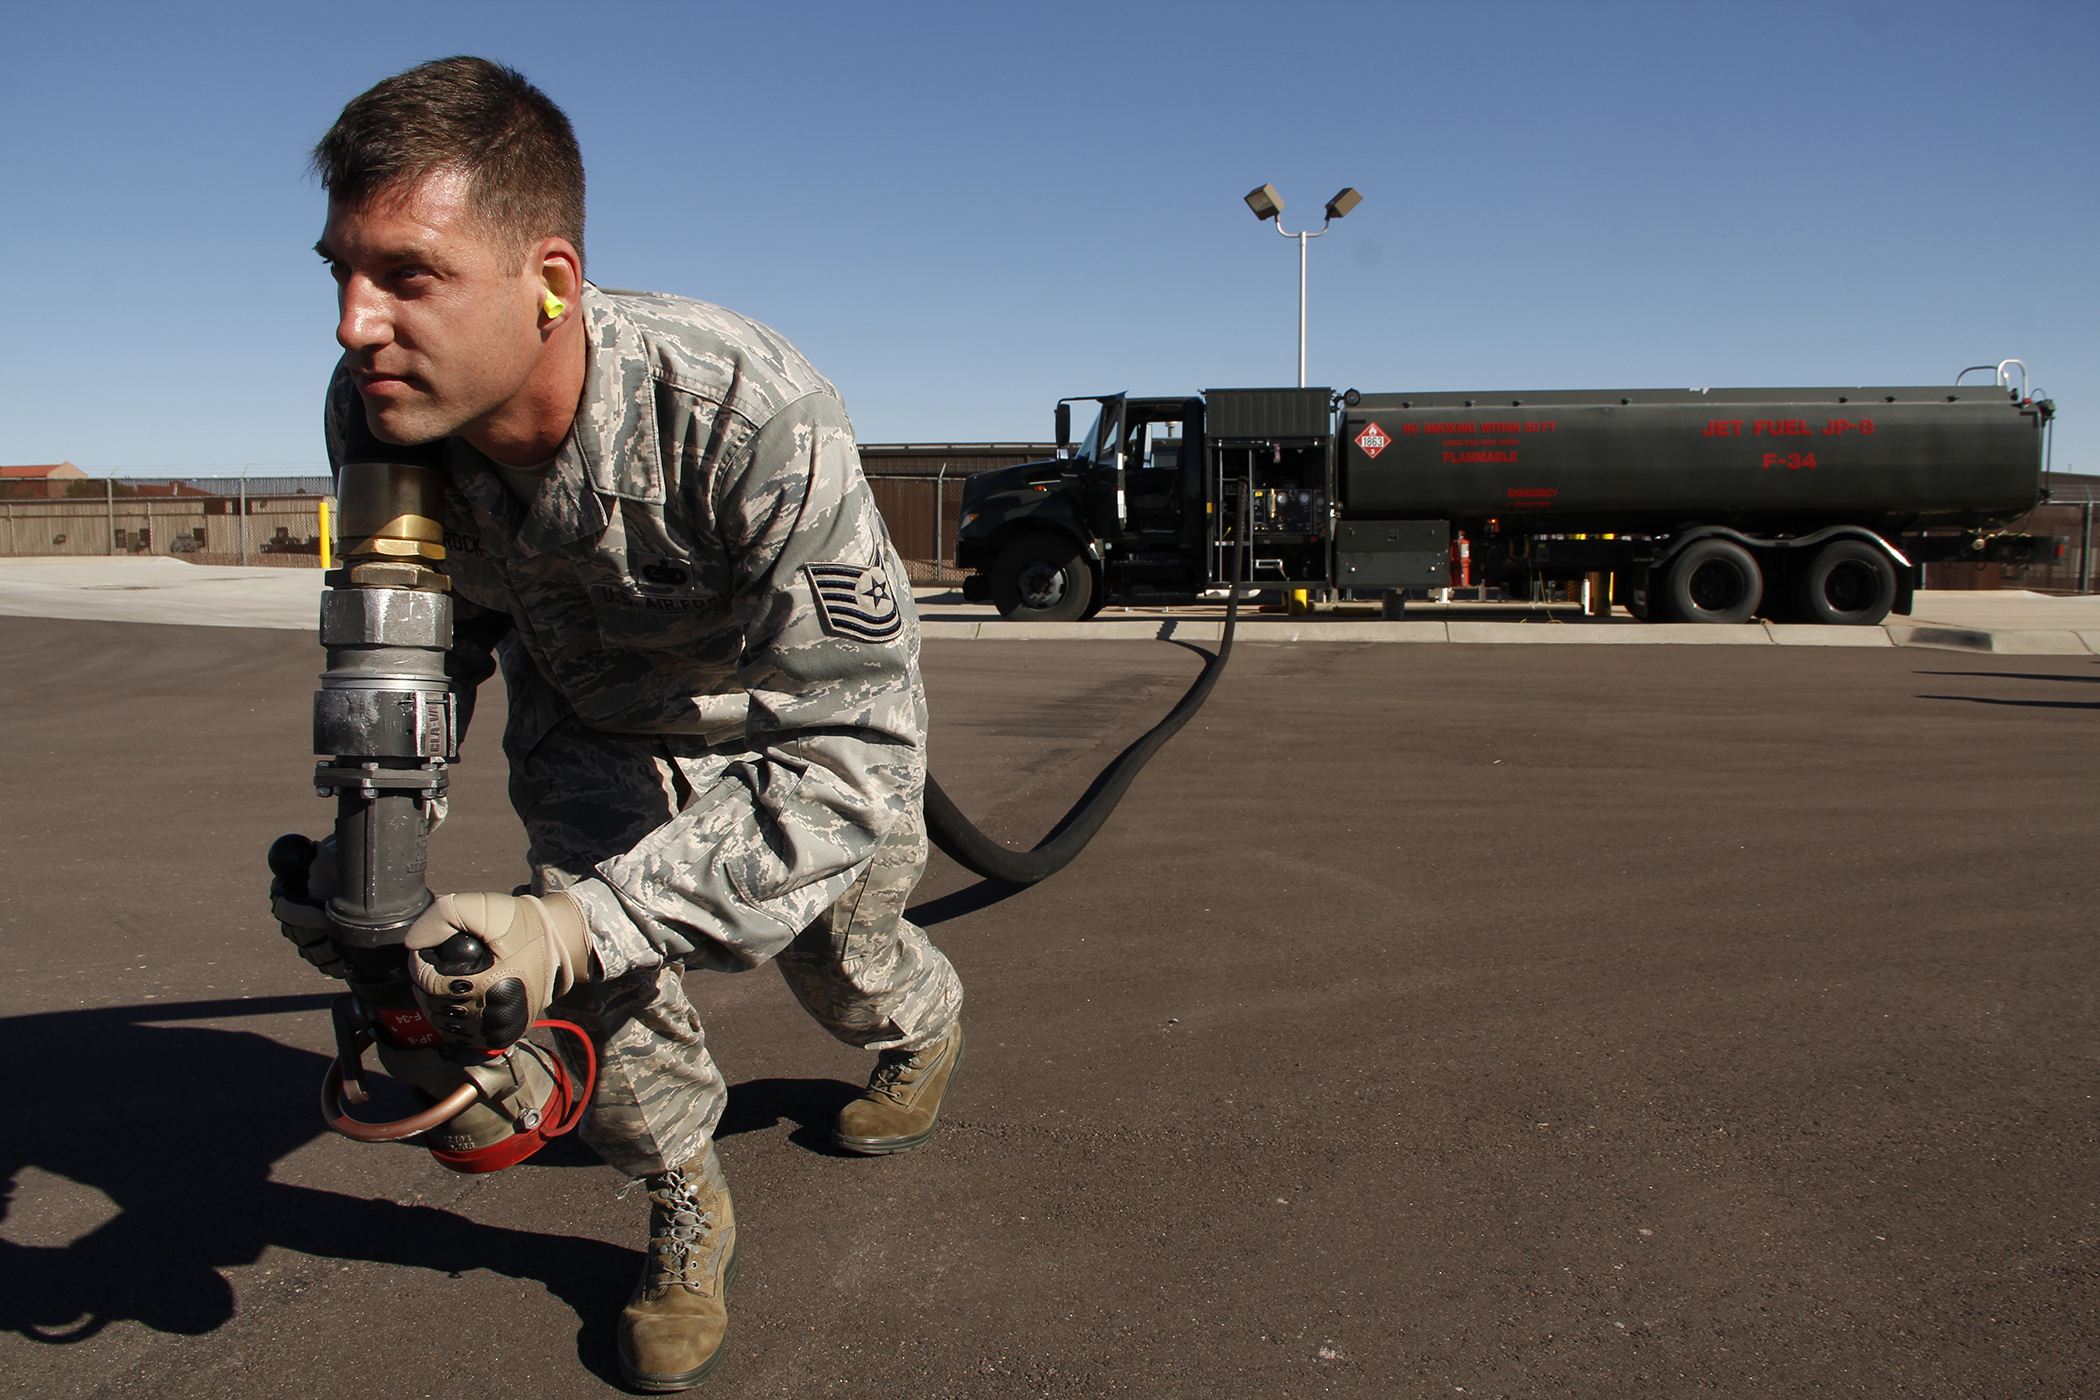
(23,481)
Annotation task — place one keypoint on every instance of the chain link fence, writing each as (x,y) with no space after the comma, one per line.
(921,512)
(2069,513)
(278,521)
(260,520)
(918,487)
(233,520)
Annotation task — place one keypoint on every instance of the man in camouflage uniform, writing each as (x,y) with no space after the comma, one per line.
(658,529)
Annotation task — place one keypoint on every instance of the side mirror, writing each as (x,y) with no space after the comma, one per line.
(1064,425)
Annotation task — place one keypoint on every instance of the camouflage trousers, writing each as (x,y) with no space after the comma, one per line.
(866,973)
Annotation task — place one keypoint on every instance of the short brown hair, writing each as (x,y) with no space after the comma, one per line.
(524,171)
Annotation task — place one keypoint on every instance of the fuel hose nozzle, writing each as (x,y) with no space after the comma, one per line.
(385,711)
(386,725)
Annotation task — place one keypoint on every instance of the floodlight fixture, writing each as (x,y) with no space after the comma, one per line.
(1267,204)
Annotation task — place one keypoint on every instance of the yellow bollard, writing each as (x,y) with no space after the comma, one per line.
(327,537)
(1298,602)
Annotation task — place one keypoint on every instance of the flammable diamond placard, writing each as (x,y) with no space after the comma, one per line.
(1373,440)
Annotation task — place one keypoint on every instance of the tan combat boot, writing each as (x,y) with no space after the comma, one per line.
(903,1100)
(674,1332)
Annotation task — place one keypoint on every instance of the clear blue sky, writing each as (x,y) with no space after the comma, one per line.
(961,213)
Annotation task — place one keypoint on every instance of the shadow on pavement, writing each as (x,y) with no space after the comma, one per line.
(2012,676)
(2023,704)
(968,900)
(179,1127)
(810,1104)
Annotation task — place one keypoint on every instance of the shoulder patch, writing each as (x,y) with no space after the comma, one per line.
(856,600)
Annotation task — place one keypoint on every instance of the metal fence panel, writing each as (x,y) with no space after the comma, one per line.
(921,512)
(201,526)
(283,525)
(2077,572)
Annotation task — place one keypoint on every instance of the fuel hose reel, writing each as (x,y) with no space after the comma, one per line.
(385,722)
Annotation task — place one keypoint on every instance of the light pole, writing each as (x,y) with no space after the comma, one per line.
(1267,204)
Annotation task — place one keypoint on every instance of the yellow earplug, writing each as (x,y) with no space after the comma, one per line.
(553,305)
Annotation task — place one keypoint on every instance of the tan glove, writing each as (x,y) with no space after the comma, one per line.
(305,921)
(518,954)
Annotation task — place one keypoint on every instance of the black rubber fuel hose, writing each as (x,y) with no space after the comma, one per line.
(979,854)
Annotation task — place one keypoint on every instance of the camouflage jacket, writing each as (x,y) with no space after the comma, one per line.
(703,560)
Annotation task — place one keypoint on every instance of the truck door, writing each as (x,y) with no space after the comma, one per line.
(1157,459)
(1107,502)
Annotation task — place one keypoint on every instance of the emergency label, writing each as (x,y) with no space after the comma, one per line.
(1373,440)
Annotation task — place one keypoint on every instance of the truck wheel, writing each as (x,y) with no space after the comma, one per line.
(1710,581)
(1042,578)
(1848,584)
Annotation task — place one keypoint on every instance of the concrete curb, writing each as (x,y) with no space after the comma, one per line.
(2001,643)
(169,591)
(1794,634)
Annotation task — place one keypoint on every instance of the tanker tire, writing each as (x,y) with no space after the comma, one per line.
(1042,578)
(1848,584)
(1710,581)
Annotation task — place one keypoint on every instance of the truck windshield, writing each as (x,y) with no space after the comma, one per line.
(1100,440)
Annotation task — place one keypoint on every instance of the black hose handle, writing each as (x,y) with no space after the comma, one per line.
(290,859)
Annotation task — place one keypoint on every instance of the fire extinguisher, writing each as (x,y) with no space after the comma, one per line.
(1461,562)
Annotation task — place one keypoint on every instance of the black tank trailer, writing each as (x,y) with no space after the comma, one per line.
(1707,504)
(1698,505)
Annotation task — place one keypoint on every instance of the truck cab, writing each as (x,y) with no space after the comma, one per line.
(1147,507)
(1053,541)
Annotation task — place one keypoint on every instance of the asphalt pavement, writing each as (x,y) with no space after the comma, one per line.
(1488,1020)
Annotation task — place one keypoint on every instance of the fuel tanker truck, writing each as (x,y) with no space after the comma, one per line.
(1700,505)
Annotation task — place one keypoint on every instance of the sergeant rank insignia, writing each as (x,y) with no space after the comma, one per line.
(856,600)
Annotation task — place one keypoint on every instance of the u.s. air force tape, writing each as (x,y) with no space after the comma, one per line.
(856,600)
